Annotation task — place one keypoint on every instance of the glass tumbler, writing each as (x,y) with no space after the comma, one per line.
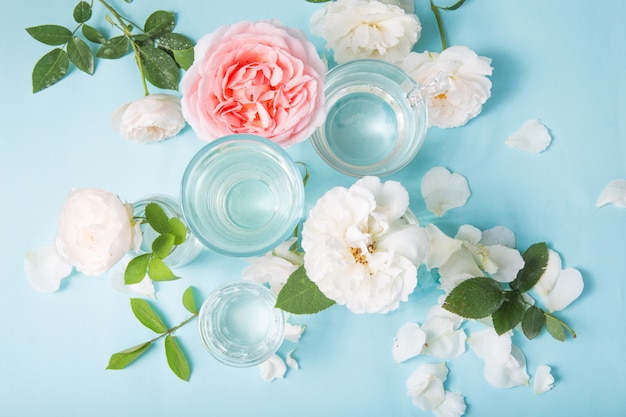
(239,324)
(376,119)
(242,195)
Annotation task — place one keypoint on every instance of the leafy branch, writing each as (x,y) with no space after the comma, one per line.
(172,232)
(159,52)
(147,316)
(480,297)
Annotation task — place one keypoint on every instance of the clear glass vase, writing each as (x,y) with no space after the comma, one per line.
(181,254)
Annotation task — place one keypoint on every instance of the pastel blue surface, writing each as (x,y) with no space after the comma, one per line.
(553,60)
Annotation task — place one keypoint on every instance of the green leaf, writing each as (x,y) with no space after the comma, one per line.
(175,42)
(163,245)
(475,298)
(509,314)
(92,34)
(189,300)
(80,54)
(157,218)
(147,316)
(160,68)
(159,271)
(535,262)
(533,321)
(136,269)
(178,229)
(124,358)
(555,328)
(454,6)
(82,12)
(184,58)
(176,358)
(50,34)
(50,69)
(159,22)
(114,48)
(300,295)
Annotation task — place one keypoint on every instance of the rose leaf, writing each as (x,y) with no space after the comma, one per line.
(509,314)
(50,69)
(475,298)
(136,269)
(80,54)
(533,321)
(535,263)
(176,358)
(300,295)
(147,316)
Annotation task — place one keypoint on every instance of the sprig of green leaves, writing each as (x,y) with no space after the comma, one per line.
(172,232)
(159,52)
(480,297)
(148,316)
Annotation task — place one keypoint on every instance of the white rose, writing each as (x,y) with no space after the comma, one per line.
(359,251)
(361,29)
(469,86)
(149,119)
(95,230)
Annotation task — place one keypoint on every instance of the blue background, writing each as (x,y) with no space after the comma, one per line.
(560,61)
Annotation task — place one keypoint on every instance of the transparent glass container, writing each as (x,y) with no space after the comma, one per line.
(181,254)
(239,324)
(242,195)
(376,119)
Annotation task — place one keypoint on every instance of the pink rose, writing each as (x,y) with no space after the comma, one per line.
(255,77)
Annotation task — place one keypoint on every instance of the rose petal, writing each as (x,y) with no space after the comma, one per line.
(441,246)
(613,193)
(453,405)
(443,190)
(550,274)
(532,136)
(293,332)
(425,385)
(290,361)
(408,342)
(508,262)
(273,368)
(45,268)
(491,347)
(568,287)
(498,235)
(511,374)
(543,380)
(443,339)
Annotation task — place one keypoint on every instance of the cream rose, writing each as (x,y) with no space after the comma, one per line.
(469,86)
(95,230)
(258,78)
(359,250)
(149,119)
(362,29)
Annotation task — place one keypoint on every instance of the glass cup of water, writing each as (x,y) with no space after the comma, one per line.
(242,195)
(239,324)
(376,119)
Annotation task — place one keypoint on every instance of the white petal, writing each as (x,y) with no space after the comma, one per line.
(509,261)
(459,267)
(443,339)
(615,193)
(548,278)
(469,233)
(273,368)
(408,342)
(567,288)
(45,268)
(441,246)
(438,311)
(291,362)
(425,385)
(453,405)
(543,379)
(490,347)
(443,190)
(144,288)
(498,235)
(511,374)
(532,136)
(293,332)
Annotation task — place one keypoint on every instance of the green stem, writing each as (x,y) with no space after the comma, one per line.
(173,329)
(124,27)
(442,34)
